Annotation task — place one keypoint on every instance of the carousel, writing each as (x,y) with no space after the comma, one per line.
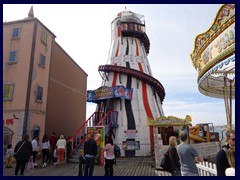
(214,59)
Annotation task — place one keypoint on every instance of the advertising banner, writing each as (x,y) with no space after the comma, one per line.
(131,134)
(99,132)
(105,92)
(131,145)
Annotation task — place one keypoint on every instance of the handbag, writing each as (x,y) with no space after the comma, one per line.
(29,166)
(165,163)
(15,153)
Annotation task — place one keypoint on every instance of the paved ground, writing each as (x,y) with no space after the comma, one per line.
(131,166)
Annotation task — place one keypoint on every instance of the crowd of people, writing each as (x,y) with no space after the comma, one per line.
(51,148)
(183,157)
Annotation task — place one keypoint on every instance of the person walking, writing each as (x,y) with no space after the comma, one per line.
(90,152)
(109,158)
(61,146)
(53,141)
(221,157)
(35,150)
(231,160)
(24,152)
(188,157)
(45,150)
(9,154)
(81,164)
(173,156)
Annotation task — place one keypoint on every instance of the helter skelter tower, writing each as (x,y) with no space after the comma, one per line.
(128,86)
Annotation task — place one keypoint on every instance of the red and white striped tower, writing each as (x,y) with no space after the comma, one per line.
(129,68)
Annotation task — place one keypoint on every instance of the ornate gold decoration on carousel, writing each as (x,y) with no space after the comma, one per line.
(216,39)
(169,121)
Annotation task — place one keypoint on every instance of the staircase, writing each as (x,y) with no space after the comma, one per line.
(76,141)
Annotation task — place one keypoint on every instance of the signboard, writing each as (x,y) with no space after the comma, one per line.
(131,134)
(99,137)
(105,92)
(220,44)
(131,145)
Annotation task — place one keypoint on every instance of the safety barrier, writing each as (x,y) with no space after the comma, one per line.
(207,169)
(204,169)
(207,149)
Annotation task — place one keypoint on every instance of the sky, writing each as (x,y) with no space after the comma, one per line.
(84,32)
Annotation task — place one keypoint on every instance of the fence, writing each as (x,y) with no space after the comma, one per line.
(207,149)
(207,169)
(204,169)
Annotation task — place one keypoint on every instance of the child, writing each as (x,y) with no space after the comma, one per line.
(81,164)
(9,154)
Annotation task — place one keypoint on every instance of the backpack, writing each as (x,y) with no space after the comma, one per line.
(165,163)
(117,151)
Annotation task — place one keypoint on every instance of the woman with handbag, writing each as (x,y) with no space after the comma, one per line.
(23,152)
(173,156)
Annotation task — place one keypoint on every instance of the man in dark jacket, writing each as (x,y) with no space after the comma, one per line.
(221,157)
(90,152)
(23,150)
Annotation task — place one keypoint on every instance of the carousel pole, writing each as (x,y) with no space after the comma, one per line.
(230,113)
(226,103)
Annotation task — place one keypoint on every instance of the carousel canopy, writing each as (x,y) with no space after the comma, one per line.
(214,55)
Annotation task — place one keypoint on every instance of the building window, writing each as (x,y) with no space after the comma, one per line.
(8,92)
(42,60)
(13,56)
(44,38)
(39,94)
(16,33)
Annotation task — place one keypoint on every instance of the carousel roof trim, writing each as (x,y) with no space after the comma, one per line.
(224,18)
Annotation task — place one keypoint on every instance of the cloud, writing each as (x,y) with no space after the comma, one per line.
(201,112)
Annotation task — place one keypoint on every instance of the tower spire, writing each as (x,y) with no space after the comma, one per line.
(31,14)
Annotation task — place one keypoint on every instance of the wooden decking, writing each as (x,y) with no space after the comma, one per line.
(130,166)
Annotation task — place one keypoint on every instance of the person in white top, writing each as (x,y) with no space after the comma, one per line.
(109,158)
(45,150)
(61,146)
(35,149)
(231,159)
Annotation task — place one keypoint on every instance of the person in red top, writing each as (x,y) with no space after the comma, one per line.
(53,141)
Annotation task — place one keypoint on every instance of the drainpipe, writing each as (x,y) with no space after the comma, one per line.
(26,119)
